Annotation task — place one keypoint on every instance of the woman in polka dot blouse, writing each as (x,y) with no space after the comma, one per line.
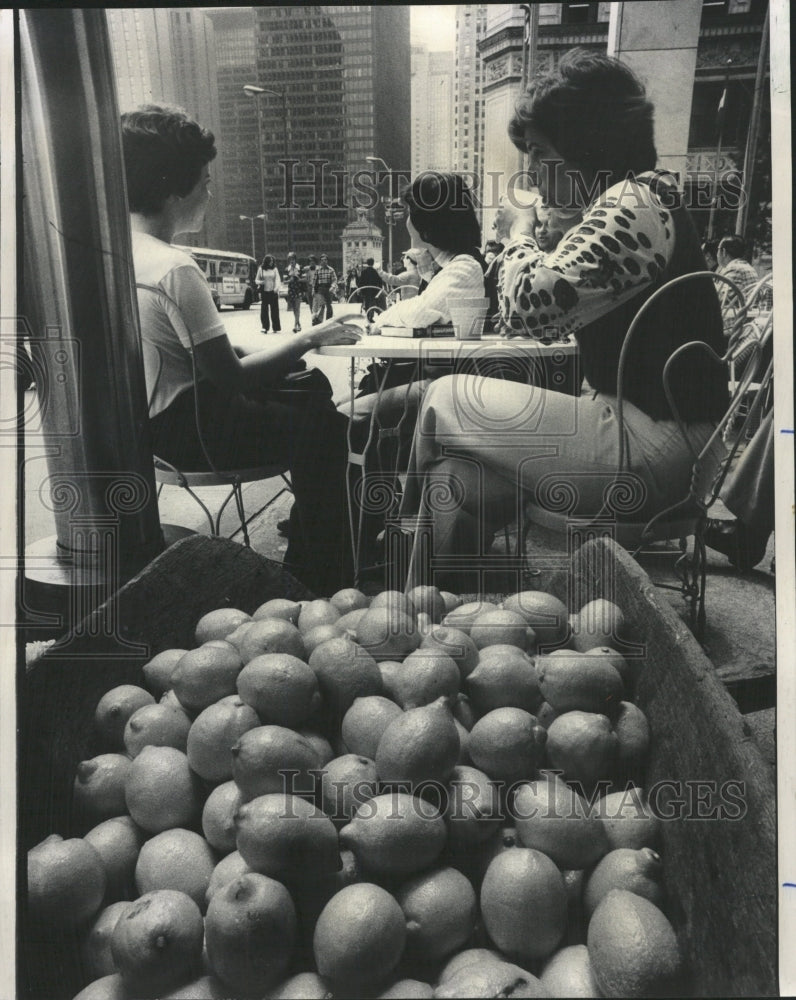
(588,131)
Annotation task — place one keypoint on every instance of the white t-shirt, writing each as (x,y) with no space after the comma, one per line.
(175,308)
(461,277)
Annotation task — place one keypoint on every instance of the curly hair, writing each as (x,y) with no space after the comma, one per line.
(442,211)
(164,153)
(595,112)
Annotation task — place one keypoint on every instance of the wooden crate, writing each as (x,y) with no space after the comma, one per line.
(720,875)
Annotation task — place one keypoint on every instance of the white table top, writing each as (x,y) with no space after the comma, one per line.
(424,347)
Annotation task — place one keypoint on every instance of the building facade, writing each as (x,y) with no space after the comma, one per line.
(468,106)
(432,110)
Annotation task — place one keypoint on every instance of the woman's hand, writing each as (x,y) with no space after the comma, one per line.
(335,332)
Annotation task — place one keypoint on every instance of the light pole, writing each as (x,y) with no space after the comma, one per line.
(255,91)
(251,218)
(388,214)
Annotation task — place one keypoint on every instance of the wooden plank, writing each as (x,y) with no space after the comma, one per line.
(720,873)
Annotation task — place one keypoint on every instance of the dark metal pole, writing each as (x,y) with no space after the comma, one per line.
(287,156)
(79,298)
(261,162)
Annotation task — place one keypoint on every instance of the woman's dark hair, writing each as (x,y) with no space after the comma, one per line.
(594,110)
(733,246)
(269,261)
(442,211)
(164,152)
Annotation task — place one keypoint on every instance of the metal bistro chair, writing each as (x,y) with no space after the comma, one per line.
(168,474)
(686,518)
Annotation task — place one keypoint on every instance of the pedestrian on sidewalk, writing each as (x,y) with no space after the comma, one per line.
(325,282)
(293,281)
(268,281)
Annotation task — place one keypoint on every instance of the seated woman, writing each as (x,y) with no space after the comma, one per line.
(588,130)
(246,419)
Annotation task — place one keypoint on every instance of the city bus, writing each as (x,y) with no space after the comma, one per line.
(230,275)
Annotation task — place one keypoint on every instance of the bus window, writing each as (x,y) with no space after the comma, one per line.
(243,270)
(226,267)
(202,264)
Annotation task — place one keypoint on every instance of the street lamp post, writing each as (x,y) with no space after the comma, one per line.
(251,218)
(388,218)
(255,91)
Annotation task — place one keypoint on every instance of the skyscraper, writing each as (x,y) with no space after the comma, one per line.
(468,105)
(166,55)
(432,110)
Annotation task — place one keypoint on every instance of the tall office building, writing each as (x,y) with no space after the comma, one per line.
(432,110)
(238,160)
(167,55)
(468,105)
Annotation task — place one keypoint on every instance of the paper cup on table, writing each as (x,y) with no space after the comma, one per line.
(468,317)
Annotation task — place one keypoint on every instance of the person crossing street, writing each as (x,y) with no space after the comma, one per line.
(325,281)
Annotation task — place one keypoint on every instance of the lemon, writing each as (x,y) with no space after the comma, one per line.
(440,908)
(201,988)
(206,674)
(466,958)
(271,635)
(580,683)
(545,713)
(95,947)
(407,989)
(463,711)
(218,624)
(425,676)
(545,614)
(163,725)
(551,817)
(117,841)
(314,613)
(628,820)
(302,986)
(395,834)
(464,738)
(251,931)
(162,791)
(282,689)
(157,942)
(213,734)
(359,938)
(279,607)
(492,979)
(501,627)
(364,724)
(273,759)
(349,599)
(456,643)
(114,709)
(229,868)
(633,732)
(628,669)
(637,871)
(463,616)
(66,881)
(319,634)
(320,745)
(347,782)
(428,600)
(422,744)
(633,948)
(473,812)
(218,816)
(504,677)
(157,673)
(176,859)
(98,789)
(345,671)
(348,623)
(568,973)
(598,623)
(283,835)
(395,600)
(583,746)
(236,638)
(106,988)
(387,632)
(507,744)
(524,903)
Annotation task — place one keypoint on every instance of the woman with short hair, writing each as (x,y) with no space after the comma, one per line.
(246,418)
(587,128)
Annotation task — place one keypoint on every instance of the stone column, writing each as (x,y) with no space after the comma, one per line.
(659,43)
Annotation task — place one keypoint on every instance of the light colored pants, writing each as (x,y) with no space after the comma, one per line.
(484,446)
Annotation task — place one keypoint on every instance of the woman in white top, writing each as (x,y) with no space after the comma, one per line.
(246,419)
(268,281)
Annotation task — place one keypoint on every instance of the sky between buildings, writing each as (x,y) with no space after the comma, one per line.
(434,26)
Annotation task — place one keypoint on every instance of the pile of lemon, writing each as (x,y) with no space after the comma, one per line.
(403,796)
